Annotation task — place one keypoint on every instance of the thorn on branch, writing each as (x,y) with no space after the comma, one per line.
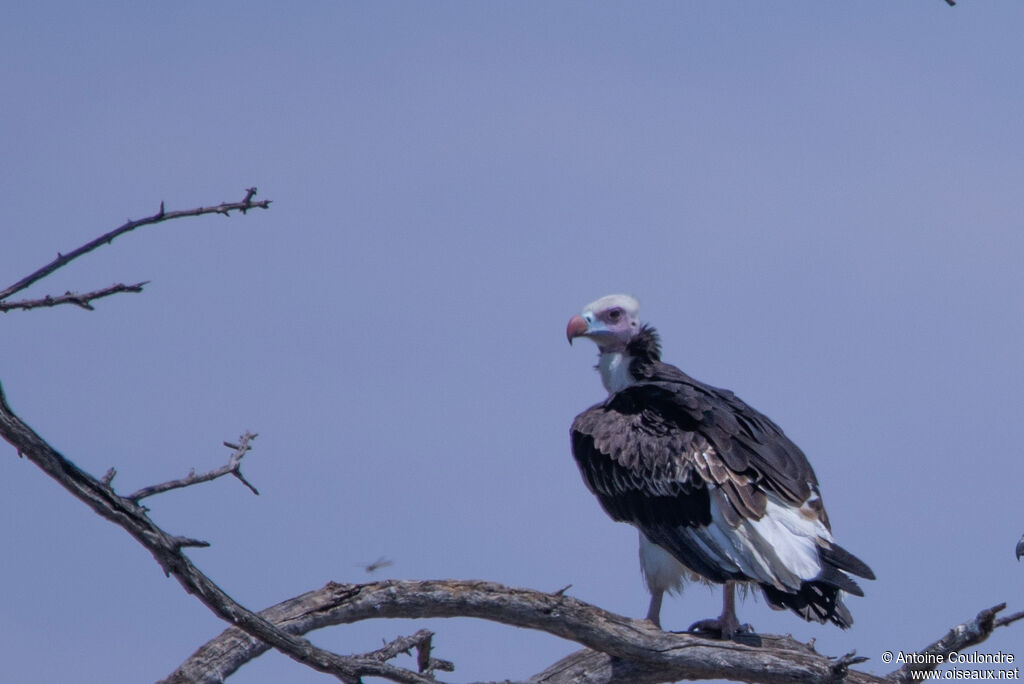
(81,300)
(182,542)
(108,477)
(241,478)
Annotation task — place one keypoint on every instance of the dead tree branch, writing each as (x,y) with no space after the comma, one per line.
(964,635)
(618,649)
(635,646)
(422,642)
(62,260)
(233,467)
(167,550)
(83,300)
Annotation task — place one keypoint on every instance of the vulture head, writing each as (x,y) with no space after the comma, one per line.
(611,322)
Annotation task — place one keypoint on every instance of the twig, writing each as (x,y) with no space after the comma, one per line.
(1009,619)
(82,300)
(233,467)
(105,239)
(400,645)
(421,641)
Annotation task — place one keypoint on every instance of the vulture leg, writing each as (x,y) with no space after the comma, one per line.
(727,625)
(654,612)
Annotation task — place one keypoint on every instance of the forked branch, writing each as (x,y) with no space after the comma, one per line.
(83,300)
(233,467)
(62,260)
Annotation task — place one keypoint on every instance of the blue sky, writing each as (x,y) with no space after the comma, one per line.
(818,204)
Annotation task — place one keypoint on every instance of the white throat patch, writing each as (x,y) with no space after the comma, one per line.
(614,368)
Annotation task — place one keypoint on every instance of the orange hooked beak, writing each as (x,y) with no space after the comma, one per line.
(577,328)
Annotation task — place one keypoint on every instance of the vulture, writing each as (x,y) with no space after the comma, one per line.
(715,488)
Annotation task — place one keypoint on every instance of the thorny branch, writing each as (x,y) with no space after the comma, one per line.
(233,467)
(83,300)
(62,260)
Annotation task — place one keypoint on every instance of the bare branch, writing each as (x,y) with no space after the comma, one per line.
(167,550)
(619,649)
(83,300)
(233,467)
(63,259)
(635,646)
(421,641)
(1010,619)
(970,633)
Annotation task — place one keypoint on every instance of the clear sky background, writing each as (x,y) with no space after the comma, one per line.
(818,204)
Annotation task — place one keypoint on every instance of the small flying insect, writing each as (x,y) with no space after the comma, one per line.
(376,565)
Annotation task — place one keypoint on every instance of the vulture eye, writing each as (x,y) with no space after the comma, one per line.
(614,315)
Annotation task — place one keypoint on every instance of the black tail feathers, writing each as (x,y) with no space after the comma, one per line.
(815,602)
(820,599)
